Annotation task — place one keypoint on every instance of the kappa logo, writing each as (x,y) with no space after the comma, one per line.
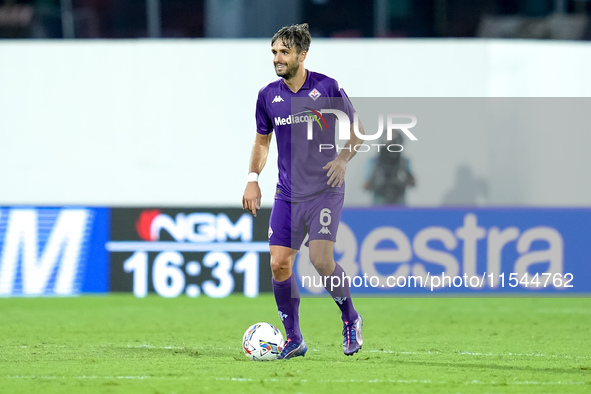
(282,315)
(277,99)
(340,300)
(314,94)
(324,230)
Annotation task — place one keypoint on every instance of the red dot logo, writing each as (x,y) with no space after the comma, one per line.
(144,223)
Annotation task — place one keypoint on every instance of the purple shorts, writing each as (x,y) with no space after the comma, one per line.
(291,221)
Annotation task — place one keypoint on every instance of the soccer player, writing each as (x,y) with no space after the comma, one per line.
(310,191)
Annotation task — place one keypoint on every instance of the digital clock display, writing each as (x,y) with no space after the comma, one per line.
(171,252)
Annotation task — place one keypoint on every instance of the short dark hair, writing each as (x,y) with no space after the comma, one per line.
(294,35)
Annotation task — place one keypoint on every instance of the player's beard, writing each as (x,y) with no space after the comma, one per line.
(290,70)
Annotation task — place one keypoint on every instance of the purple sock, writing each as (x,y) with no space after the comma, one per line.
(287,297)
(341,294)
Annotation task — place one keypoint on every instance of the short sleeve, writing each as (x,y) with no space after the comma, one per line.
(342,101)
(264,124)
(346,103)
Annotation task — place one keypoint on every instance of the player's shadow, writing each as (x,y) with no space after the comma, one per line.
(155,350)
(448,365)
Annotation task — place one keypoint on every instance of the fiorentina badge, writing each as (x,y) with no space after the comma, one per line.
(314,94)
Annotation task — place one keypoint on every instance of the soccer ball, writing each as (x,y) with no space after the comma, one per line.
(262,342)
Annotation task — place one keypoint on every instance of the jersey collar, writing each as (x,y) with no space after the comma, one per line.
(306,86)
(307,82)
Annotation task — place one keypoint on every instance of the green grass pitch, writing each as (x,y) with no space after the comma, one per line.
(121,344)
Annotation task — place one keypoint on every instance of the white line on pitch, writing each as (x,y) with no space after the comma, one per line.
(463,353)
(159,347)
(89,377)
(407,381)
(483,354)
(402,381)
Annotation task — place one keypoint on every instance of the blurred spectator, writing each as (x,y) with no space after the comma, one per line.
(467,189)
(15,19)
(339,18)
(388,175)
(554,26)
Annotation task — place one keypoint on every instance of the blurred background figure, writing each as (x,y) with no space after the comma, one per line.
(467,189)
(388,175)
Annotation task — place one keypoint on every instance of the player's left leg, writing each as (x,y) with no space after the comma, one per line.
(324,218)
(339,287)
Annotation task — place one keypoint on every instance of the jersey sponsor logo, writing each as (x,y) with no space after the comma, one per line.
(317,116)
(277,99)
(303,117)
(300,117)
(314,94)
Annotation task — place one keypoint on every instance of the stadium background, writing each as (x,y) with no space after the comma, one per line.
(127,125)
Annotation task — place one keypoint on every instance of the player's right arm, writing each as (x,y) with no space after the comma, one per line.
(251,200)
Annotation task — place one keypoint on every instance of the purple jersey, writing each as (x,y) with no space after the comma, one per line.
(300,160)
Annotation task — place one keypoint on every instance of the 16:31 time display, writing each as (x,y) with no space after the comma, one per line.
(170,271)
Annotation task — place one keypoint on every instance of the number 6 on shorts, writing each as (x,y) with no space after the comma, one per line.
(325,218)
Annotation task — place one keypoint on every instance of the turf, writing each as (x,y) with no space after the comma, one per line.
(120,344)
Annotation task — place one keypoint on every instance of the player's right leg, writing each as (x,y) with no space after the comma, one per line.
(285,289)
(287,298)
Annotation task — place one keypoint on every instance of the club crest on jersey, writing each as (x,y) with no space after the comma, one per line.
(314,94)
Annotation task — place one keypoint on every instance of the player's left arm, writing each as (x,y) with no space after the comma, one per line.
(337,167)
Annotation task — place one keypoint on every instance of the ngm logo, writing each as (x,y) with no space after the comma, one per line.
(41,250)
(193,227)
